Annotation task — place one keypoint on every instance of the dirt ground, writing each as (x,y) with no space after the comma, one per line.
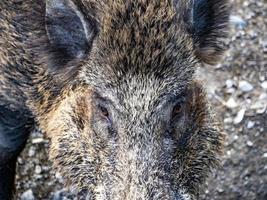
(237,89)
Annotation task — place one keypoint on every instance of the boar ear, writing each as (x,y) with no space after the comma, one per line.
(209,28)
(69,32)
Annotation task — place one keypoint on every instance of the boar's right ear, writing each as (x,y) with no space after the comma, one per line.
(69,32)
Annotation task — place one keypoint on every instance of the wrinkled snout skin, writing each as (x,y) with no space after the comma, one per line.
(112,84)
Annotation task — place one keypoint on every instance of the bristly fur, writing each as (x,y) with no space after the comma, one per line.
(115,90)
(210,28)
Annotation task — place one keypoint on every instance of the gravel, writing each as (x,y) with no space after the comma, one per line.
(27,195)
(245,86)
(237,89)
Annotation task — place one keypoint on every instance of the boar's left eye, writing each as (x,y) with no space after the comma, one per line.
(177,110)
(178,119)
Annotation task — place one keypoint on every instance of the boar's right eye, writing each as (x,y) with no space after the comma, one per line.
(104,112)
(102,121)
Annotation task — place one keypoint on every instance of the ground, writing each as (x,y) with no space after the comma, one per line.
(237,89)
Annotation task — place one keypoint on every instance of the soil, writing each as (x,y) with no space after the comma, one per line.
(237,89)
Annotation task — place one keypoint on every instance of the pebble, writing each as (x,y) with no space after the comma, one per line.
(263,96)
(264,45)
(265,155)
(245,86)
(230,83)
(20,161)
(240,116)
(260,106)
(262,78)
(250,124)
(27,195)
(257,105)
(220,190)
(264,85)
(45,168)
(230,90)
(249,143)
(38,140)
(236,137)
(38,169)
(31,152)
(238,21)
(262,110)
(231,103)
(228,120)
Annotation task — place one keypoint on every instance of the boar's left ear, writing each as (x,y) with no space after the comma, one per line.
(209,25)
(69,32)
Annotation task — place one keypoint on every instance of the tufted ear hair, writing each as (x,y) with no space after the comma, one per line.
(209,28)
(70,32)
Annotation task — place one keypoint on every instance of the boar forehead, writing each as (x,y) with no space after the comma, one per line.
(141,46)
(139,93)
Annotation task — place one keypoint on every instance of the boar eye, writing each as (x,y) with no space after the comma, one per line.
(177,110)
(104,112)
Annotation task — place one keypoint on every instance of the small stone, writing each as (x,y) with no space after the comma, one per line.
(37,140)
(20,161)
(27,195)
(220,190)
(262,110)
(257,105)
(245,86)
(260,106)
(38,169)
(38,177)
(229,83)
(262,78)
(228,120)
(249,143)
(31,152)
(264,85)
(238,21)
(230,90)
(236,137)
(231,103)
(263,96)
(45,168)
(265,155)
(250,124)
(264,46)
(240,116)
